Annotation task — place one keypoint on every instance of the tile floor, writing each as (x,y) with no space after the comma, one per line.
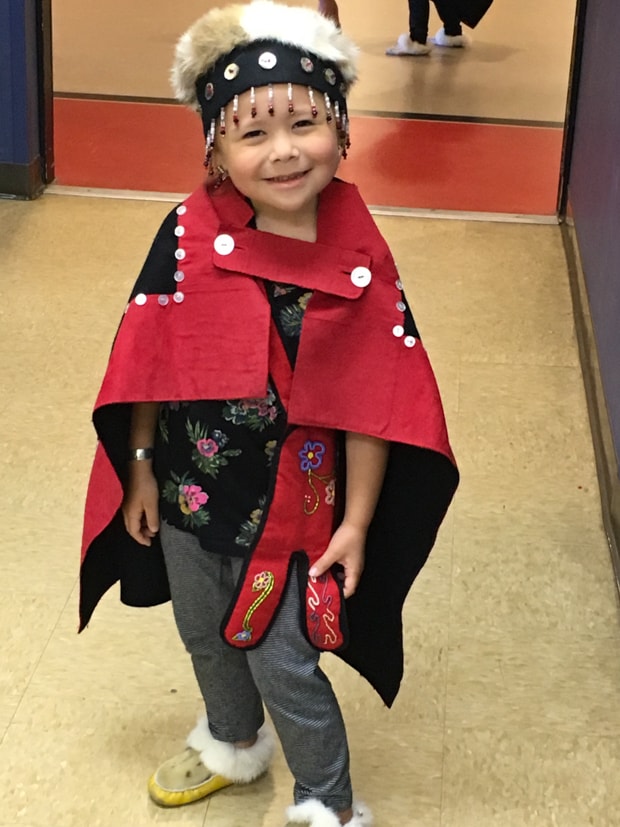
(509,715)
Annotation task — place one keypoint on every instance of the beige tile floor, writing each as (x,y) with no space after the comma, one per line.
(509,715)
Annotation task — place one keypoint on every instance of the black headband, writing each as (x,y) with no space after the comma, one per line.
(260,63)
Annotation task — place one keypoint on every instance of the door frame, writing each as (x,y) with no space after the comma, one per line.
(570,117)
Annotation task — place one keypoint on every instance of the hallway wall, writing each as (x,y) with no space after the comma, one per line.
(594,191)
(20,165)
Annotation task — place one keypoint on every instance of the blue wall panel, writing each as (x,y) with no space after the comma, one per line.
(19,119)
(594,190)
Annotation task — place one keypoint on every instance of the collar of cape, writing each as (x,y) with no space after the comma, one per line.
(347,238)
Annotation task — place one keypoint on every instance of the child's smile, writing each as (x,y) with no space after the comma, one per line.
(287,179)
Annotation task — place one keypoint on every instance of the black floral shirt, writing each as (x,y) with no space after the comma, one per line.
(213,457)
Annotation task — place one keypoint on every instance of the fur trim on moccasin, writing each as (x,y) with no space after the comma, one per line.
(238,765)
(406,46)
(456,41)
(315,814)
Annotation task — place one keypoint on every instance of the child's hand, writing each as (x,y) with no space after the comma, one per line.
(347,548)
(141,504)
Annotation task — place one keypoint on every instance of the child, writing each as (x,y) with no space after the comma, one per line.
(266,351)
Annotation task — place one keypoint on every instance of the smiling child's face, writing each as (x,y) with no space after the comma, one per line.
(281,162)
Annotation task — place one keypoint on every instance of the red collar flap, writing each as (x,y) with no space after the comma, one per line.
(290,261)
(315,265)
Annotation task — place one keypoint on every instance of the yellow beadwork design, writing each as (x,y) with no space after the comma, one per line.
(264,582)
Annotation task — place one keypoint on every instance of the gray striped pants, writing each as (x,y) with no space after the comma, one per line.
(282,672)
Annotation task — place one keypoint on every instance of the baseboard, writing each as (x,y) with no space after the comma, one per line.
(604,450)
(21,180)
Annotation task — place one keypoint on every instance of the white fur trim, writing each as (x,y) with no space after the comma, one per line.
(219,31)
(313,813)
(362,816)
(316,814)
(450,41)
(406,46)
(236,764)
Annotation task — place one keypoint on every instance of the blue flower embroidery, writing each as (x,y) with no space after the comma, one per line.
(311,456)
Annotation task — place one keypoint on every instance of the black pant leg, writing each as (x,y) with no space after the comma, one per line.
(418,20)
(449,17)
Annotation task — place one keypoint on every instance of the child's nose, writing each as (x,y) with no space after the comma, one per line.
(283,147)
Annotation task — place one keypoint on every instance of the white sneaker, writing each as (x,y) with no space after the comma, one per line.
(406,46)
(458,41)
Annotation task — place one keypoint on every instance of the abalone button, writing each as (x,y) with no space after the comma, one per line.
(409,341)
(398,330)
(140,299)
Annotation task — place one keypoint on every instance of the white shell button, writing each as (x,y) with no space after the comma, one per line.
(361,276)
(267,60)
(224,244)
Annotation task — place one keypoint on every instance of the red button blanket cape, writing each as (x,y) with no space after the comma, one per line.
(207,337)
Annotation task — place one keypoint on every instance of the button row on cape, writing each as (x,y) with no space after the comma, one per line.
(224,244)
(163,298)
(398,330)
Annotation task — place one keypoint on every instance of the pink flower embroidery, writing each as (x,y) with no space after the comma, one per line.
(207,447)
(191,498)
(330,492)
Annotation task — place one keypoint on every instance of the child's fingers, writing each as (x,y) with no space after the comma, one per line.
(351,579)
(135,526)
(151,521)
(324,563)
(351,573)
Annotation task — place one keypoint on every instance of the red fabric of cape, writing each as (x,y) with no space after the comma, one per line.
(207,337)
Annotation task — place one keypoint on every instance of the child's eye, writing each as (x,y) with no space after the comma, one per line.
(252,133)
(302,124)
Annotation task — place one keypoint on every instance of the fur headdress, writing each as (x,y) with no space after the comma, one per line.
(214,35)
(234,49)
